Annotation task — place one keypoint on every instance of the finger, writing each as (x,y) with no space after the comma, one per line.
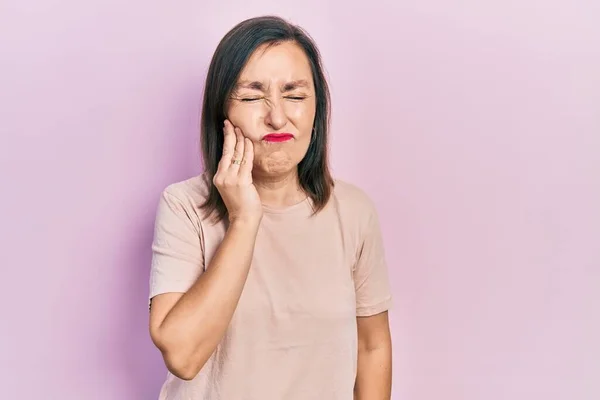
(228,145)
(248,162)
(238,153)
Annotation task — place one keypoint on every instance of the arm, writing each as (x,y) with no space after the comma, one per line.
(373,299)
(374,377)
(186,328)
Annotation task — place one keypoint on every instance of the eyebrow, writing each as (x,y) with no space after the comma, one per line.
(256,85)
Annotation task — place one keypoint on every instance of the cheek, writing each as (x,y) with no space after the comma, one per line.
(245,117)
(303,114)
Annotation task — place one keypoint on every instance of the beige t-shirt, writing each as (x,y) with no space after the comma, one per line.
(293,335)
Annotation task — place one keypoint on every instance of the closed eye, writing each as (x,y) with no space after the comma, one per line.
(295,97)
(253,99)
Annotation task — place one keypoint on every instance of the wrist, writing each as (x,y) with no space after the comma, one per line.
(245,223)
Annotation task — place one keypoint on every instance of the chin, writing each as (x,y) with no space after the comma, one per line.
(276,166)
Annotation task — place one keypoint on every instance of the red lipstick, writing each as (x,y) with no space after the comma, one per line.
(278,137)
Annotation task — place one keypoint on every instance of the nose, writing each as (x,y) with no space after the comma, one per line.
(275,117)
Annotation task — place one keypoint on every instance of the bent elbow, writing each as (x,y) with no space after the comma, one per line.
(181,359)
(182,372)
(183,367)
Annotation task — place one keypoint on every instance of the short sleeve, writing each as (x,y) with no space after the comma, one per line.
(371,281)
(177,255)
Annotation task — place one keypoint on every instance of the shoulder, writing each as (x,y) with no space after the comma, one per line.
(192,191)
(357,213)
(355,207)
(353,198)
(183,199)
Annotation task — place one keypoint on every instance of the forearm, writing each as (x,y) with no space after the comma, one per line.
(196,324)
(374,376)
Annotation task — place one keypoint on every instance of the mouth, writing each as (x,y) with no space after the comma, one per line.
(278,137)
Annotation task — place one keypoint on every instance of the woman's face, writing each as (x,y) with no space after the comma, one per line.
(275,94)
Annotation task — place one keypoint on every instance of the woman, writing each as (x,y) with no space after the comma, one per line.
(268,277)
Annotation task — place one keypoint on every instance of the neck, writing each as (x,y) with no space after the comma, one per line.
(279,191)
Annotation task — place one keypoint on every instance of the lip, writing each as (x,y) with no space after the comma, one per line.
(278,137)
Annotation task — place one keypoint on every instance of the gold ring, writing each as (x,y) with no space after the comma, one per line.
(236,162)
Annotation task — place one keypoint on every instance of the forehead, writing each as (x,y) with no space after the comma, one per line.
(277,63)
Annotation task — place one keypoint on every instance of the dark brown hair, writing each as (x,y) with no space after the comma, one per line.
(229,59)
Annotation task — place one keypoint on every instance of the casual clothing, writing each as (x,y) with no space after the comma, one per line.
(293,335)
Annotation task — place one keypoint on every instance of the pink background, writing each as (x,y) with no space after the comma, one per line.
(475,126)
